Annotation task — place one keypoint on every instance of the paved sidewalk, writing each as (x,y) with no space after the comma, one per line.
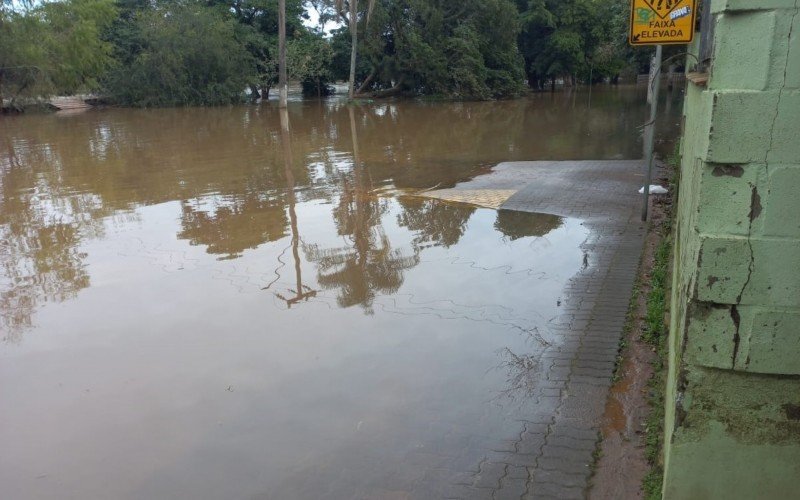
(551,457)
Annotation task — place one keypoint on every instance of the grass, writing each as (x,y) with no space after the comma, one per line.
(655,327)
(655,333)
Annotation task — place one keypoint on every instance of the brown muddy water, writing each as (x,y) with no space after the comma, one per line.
(196,303)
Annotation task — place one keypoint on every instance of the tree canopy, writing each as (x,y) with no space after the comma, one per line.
(203,52)
(53,47)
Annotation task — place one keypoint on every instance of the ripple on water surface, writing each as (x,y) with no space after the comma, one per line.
(208,313)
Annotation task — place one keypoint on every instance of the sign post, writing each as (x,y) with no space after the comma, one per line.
(650,129)
(658,22)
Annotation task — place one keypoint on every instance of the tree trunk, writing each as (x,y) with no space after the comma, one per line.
(398,87)
(283,88)
(366,83)
(553,84)
(354,42)
(254,95)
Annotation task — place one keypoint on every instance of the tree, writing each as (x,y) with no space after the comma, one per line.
(309,61)
(585,39)
(53,48)
(260,25)
(348,12)
(436,47)
(180,54)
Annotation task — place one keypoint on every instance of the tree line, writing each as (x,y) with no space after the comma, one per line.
(207,52)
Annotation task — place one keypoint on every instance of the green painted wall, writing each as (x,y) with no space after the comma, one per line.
(733,388)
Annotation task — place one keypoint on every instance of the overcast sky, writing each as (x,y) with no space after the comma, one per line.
(313,21)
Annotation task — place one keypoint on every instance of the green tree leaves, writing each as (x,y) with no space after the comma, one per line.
(54,48)
(462,50)
(184,54)
(203,52)
(568,38)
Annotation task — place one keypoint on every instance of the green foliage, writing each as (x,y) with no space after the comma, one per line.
(54,47)
(183,54)
(464,50)
(308,60)
(205,53)
(655,329)
(656,334)
(258,29)
(574,38)
(178,52)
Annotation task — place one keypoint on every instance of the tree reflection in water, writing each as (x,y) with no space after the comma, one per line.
(301,291)
(515,225)
(234,224)
(435,223)
(368,264)
(521,369)
(39,239)
(65,181)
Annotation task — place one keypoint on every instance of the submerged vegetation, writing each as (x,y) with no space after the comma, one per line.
(179,52)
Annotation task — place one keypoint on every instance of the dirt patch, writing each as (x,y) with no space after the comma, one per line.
(623,464)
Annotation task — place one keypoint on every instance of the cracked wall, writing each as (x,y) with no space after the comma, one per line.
(733,390)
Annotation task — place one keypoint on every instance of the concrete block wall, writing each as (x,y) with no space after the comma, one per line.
(733,389)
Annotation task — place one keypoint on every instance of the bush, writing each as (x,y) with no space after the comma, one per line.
(179,55)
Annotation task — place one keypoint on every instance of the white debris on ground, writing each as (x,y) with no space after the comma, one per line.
(654,189)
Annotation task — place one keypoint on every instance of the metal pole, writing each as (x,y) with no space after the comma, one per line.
(649,134)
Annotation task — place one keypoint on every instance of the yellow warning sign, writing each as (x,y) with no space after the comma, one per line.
(664,22)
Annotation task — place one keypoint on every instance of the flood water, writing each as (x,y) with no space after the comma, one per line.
(196,303)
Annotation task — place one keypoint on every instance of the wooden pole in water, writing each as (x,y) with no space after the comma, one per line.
(650,129)
(283,86)
(351,92)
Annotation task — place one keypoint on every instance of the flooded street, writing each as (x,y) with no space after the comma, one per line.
(198,303)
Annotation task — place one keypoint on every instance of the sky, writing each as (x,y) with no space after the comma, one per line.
(313,21)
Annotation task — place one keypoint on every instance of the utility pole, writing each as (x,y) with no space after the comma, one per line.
(351,92)
(650,129)
(283,88)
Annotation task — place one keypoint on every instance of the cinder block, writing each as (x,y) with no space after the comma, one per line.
(726,197)
(784,146)
(793,61)
(775,280)
(745,58)
(755,271)
(741,126)
(718,6)
(774,345)
(722,269)
(781,215)
(710,335)
(697,125)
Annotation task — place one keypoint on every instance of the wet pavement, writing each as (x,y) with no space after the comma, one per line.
(230,303)
(553,455)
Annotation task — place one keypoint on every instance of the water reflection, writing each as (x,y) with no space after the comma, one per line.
(517,225)
(229,226)
(226,164)
(436,223)
(229,302)
(367,264)
(230,170)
